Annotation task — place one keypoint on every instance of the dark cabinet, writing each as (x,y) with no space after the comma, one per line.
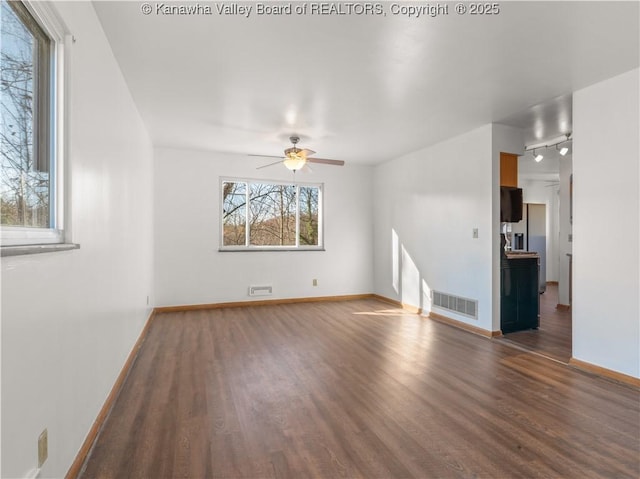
(519,295)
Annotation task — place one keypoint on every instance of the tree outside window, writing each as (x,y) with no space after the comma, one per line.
(277,215)
(25,186)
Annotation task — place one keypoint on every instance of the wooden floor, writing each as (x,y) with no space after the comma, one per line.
(553,337)
(356,389)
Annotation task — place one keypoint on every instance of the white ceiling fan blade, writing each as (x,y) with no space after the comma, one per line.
(326,161)
(270,164)
(266,156)
(306,169)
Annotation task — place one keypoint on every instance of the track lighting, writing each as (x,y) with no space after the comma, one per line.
(555,142)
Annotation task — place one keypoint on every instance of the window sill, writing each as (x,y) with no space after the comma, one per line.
(262,250)
(36,249)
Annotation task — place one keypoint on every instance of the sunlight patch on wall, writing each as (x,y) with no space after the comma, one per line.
(426,298)
(395,261)
(410,280)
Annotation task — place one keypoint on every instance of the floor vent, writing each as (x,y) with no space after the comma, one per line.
(260,290)
(467,307)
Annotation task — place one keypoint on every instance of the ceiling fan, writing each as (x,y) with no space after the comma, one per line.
(295,158)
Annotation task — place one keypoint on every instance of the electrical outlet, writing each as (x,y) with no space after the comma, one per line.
(475,233)
(147,300)
(315,282)
(43,447)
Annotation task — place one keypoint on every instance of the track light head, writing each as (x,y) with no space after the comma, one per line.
(538,157)
(564,150)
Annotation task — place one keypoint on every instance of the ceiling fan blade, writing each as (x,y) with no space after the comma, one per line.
(325,161)
(266,156)
(270,164)
(307,152)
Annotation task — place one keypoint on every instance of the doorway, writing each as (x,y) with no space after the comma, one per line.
(535,233)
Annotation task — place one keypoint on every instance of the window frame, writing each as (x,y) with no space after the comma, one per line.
(248,246)
(48,127)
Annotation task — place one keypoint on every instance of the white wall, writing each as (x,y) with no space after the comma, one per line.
(69,320)
(564,245)
(426,206)
(191,270)
(606,242)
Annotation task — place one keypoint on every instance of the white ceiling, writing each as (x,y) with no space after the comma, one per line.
(359,88)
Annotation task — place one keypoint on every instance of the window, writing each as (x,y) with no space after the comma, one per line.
(30,199)
(260,215)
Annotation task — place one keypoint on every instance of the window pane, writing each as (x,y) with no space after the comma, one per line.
(234,213)
(24,180)
(309,215)
(273,215)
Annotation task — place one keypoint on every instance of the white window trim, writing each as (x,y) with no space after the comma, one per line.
(249,247)
(49,19)
(20,235)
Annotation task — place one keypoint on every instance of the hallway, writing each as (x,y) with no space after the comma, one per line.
(553,338)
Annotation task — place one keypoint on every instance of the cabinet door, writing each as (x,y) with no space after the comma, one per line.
(508,169)
(519,306)
(528,294)
(508,301)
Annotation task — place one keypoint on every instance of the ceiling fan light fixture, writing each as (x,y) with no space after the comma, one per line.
(294,161)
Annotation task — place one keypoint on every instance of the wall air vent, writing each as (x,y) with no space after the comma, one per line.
(260,290)
(464,306)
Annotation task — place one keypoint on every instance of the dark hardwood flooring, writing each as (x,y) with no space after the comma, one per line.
(553,337)
(356,389)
